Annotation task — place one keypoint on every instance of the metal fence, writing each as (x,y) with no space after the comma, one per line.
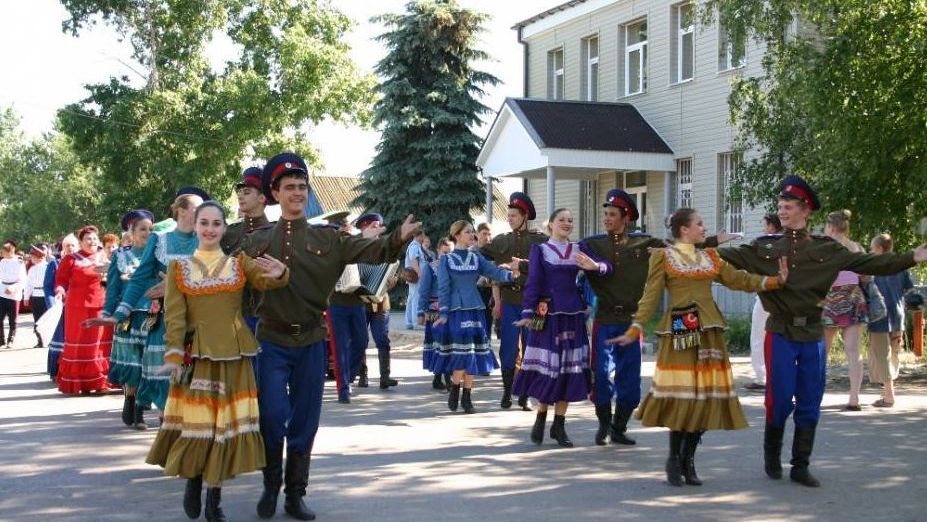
(733,304)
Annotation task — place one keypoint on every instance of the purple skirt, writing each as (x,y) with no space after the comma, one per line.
(556,362)
(461,344)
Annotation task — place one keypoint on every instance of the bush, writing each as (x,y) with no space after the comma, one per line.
(737,336)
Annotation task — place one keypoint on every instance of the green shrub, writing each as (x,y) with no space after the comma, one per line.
(737,336)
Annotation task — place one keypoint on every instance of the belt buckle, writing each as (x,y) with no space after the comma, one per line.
(296,329)
(799,321)
(618,309)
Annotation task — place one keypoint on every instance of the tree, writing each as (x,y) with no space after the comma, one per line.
(842,103)
(44,192)
(426,159)
(191,124)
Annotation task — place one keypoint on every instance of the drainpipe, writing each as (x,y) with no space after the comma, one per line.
(524,89)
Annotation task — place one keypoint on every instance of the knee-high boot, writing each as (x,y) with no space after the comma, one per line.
(537,431)
(772,451)
(273,479)
(692,440)
(620,426)
(604,413)
(802,445)
(297,480)
(507,378)
(385,380)
(193,497)
(213,512)
(673,464)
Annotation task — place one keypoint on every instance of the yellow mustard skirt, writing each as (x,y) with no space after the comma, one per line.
(693,389)
(211,425)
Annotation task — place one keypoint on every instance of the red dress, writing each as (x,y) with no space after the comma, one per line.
(84,364)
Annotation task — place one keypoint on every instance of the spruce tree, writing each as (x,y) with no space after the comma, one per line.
(429,101)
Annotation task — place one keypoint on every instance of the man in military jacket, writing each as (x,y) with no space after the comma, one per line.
(502,250)
(252,202)
(795,357)
(617,294)
(290,328)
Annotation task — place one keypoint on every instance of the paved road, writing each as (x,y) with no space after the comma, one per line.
(400,456)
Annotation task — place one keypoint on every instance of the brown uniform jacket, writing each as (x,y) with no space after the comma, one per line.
(502,249)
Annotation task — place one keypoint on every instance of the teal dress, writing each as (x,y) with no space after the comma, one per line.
(125,361)
(162,248)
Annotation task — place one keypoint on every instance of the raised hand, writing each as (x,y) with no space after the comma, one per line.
(724,236)
(621,340)
(920,253)
(783,269)
(98,321)
(439,321)
(409,228)
(585,262)
(521,323)
(272,268)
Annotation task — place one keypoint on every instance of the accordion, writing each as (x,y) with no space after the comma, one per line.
(374,280)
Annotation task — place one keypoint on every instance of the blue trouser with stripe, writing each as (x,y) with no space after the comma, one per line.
(794,370)
(512,336)
(625,361)
(290,393)
(350,325)
(378,322)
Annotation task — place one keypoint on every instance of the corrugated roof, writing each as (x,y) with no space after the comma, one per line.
(337,192)
(578,125)
(552,11)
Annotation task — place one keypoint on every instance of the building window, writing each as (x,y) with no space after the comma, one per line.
(555,74)
(731,50)
(684,183)
(635,62)
(731,202)
(590,60)
(683,43)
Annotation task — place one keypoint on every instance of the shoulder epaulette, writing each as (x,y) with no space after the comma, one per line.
(265,227)
(595,237)
(639,234)
(820,238)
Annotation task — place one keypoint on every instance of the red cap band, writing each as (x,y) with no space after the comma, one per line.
(523,205)
(799,193)
(283,167)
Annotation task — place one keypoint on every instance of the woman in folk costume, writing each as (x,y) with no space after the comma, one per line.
(211,430)
(125,363)
(84,363)
(428,310)
(145,290)
(693,386)
(555,367)
(68,246)
(463,348)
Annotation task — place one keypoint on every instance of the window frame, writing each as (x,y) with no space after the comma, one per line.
(554,74)
(589,61)
(642,58)
(732,219)
(726,51)
(681,32)
(684,183)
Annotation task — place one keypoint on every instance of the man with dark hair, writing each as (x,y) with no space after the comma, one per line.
(795,356)
(290,329)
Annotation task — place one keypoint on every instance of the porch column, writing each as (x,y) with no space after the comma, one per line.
(668,196)
(550,189)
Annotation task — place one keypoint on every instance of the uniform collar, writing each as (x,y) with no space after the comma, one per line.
(252,223)
(619,237)
(796,234)
(293,224)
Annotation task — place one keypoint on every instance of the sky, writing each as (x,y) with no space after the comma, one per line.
(44,69)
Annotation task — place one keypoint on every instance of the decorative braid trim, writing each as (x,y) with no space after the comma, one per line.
(189,286)
(676,267)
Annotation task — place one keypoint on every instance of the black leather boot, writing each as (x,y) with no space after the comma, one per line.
(466,401)
(385,380)
(213,512)
(673,464)
(128,410)
(558,432)
(362,381)
(620,426)
(139,418)
(772,451)
(537,432)
(507,378)
(604,413)
(453,398)
(802,444)
(436,383)
(691,442)
(38,340)
(297,479)
(11,337)
(273,479)
(193,497)
(523,403)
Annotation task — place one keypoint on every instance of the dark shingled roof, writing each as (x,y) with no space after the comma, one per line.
(616,127)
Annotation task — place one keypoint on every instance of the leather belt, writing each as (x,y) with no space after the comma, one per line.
(294,329)
(799,320)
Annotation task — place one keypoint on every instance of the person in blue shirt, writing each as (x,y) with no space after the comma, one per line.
(886,336)
(462,345)
(428,310)
(415,260)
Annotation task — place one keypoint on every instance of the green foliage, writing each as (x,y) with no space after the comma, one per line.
(44,191)
(737,336)
(426,160)
(843,103)
(192,125)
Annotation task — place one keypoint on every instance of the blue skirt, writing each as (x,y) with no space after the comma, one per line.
(55,347)
(153,386)
(428,349)
(125,362)
(461,344)
(556,362)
